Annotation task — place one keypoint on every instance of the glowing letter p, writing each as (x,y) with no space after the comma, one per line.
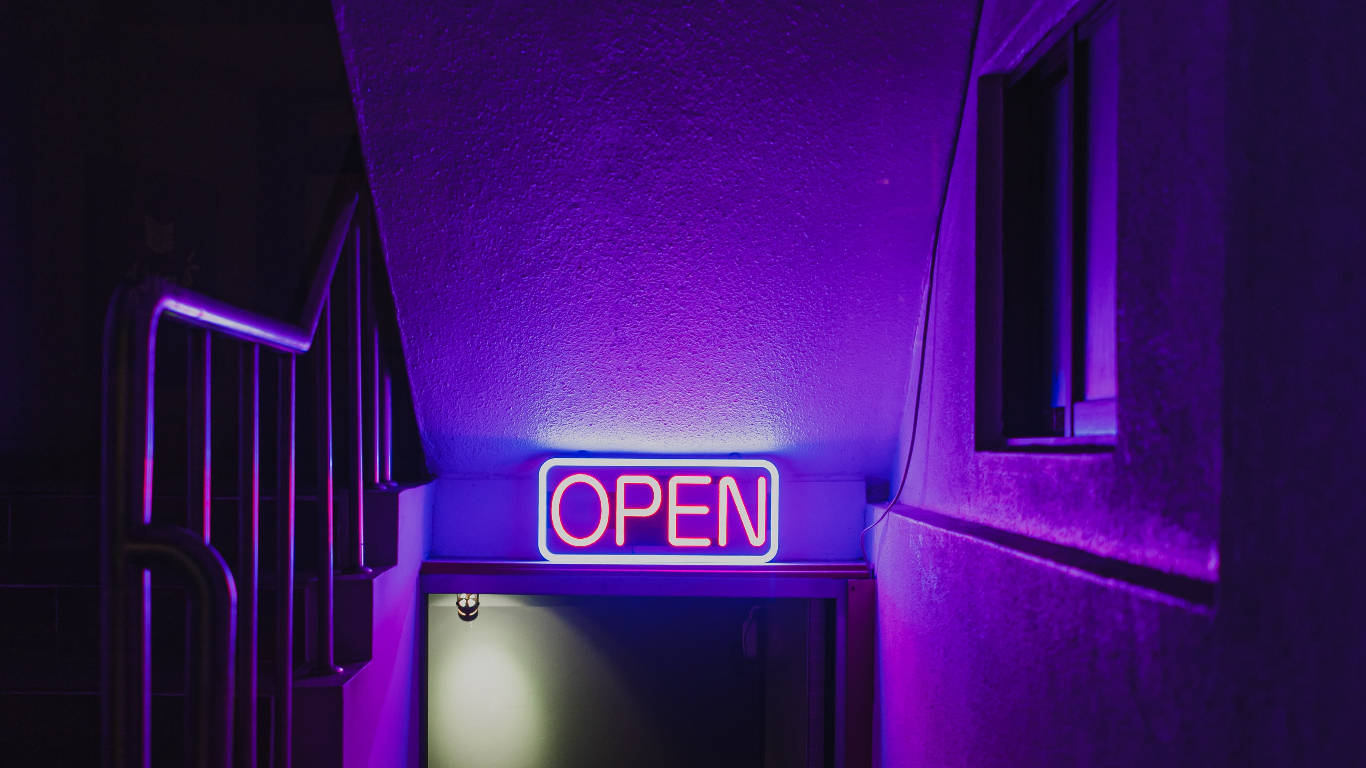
(624,511)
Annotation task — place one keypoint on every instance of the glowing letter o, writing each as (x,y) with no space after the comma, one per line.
(604,515)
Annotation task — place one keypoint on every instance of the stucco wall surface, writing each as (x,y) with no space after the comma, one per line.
(991,656)
(1240,416)
(1153,499)
(987,658)
(624,227)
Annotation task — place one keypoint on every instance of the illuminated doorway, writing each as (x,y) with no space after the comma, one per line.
(593,677)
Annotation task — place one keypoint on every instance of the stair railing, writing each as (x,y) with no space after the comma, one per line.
(223,722)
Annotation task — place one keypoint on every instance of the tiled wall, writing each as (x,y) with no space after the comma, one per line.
(49,645)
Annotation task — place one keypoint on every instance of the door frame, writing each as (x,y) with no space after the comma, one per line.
(848,584)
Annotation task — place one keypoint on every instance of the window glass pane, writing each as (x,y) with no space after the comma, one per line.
(1057,236)
(1036,281)
(1100,96)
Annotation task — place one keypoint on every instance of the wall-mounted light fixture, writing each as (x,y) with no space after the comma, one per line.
(467,606)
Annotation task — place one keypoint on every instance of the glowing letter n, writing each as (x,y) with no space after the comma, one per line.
(757,531)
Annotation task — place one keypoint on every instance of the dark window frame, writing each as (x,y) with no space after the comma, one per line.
(1033,253)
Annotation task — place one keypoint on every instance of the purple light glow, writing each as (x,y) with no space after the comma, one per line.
(655,230)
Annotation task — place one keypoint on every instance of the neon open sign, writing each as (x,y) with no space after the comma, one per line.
(676,511)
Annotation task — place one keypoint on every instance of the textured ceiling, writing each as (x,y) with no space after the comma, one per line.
(698,229)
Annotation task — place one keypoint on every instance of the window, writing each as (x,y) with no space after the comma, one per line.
(1047,241)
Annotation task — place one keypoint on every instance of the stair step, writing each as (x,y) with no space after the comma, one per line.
(49,671)
(59,647)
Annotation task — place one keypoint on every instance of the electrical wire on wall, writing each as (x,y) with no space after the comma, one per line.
(929,284)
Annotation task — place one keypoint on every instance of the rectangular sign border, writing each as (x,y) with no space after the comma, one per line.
(542,516)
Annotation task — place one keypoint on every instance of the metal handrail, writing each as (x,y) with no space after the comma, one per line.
(132,544)
(244,325)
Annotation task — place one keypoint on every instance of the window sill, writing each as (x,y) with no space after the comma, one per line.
(1062,445)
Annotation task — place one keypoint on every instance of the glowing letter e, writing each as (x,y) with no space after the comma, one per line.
(604,513)
(676,509)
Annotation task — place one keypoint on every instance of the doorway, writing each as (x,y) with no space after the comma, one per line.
(597,680)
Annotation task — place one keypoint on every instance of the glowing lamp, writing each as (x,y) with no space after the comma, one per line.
(467,606)
(662,511)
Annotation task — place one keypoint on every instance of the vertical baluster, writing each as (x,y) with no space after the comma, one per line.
(143,667)
(284,566)
(371,360)
(199,425)
(325,660)
(131,544)
(355,543)
(386,417)
(198,479)
(248,550)
(126,486)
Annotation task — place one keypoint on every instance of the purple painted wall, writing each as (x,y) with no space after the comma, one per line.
(987,658)
(990,655)
(1154,499)
(622,228)
(1239,451)
(1294,407)
(705,230)
(369,716)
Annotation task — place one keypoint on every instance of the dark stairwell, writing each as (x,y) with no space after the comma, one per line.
(706,229)
(212,149)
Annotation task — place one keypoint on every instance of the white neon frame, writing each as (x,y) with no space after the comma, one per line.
(543,516)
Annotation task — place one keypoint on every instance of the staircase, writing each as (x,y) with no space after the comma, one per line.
(49,683)
(310,555)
